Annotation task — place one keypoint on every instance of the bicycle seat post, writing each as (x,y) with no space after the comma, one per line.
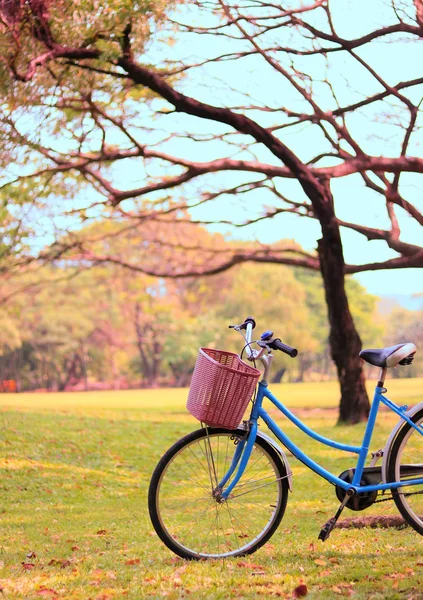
(382,375)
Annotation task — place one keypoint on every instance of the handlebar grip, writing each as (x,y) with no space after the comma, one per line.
(248,321)
(278,345)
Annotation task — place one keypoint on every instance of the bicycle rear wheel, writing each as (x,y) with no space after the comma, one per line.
(184,506)
(405,463)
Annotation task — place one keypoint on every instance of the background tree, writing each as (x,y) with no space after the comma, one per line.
(79,328)
(101,105)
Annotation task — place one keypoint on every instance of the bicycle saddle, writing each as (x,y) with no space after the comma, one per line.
(401,354)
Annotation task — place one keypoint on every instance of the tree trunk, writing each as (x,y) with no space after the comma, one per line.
(277,378)
(345,343)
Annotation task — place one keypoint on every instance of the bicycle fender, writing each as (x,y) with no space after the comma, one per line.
(278,449)
(392,437)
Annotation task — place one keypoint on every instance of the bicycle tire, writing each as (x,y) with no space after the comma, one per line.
(199,527)
(407,449)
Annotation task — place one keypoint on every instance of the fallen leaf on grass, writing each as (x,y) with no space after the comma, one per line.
(133,561)
(248,565)
(320,562)
(336,589)
(101,532)
(173,560)
(267,589)
(300,591)
(28,566)
(59,562)
(31,555)
(46,592)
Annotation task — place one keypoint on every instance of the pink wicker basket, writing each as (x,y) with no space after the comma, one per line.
(221,387)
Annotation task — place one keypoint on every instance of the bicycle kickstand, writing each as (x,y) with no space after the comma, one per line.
(329,525)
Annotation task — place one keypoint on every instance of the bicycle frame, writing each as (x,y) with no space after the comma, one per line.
(245,446)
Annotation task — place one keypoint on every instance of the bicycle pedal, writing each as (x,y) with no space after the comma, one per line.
(326,529)
(324,534)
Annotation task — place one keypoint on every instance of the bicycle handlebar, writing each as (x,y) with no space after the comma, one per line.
(276,344)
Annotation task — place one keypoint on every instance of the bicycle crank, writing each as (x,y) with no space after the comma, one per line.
(371,476)
(329,525)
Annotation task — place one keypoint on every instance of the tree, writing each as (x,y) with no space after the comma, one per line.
(109,106)
(104,327)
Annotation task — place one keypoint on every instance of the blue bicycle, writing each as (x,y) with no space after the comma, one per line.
(221,492)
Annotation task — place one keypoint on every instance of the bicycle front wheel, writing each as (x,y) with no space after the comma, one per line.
(405,463)
(186,509)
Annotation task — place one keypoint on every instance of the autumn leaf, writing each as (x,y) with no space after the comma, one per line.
(59,562)
(336,589)
(325,573)
(46,592)
(248,565)
(320,562)
(28,566)
(132,561)
(300,591)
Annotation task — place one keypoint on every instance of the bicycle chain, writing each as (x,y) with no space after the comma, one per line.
(391,497)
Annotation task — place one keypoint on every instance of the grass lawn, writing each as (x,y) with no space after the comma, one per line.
(75,470)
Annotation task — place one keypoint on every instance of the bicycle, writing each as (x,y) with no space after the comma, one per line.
(222,490)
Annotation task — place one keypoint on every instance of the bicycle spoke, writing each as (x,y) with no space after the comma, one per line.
(259,487)
(231,518)
(243,529)
(194,479)
(252,481)
(185,503)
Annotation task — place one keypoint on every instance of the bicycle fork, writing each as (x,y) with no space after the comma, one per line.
(238,465)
